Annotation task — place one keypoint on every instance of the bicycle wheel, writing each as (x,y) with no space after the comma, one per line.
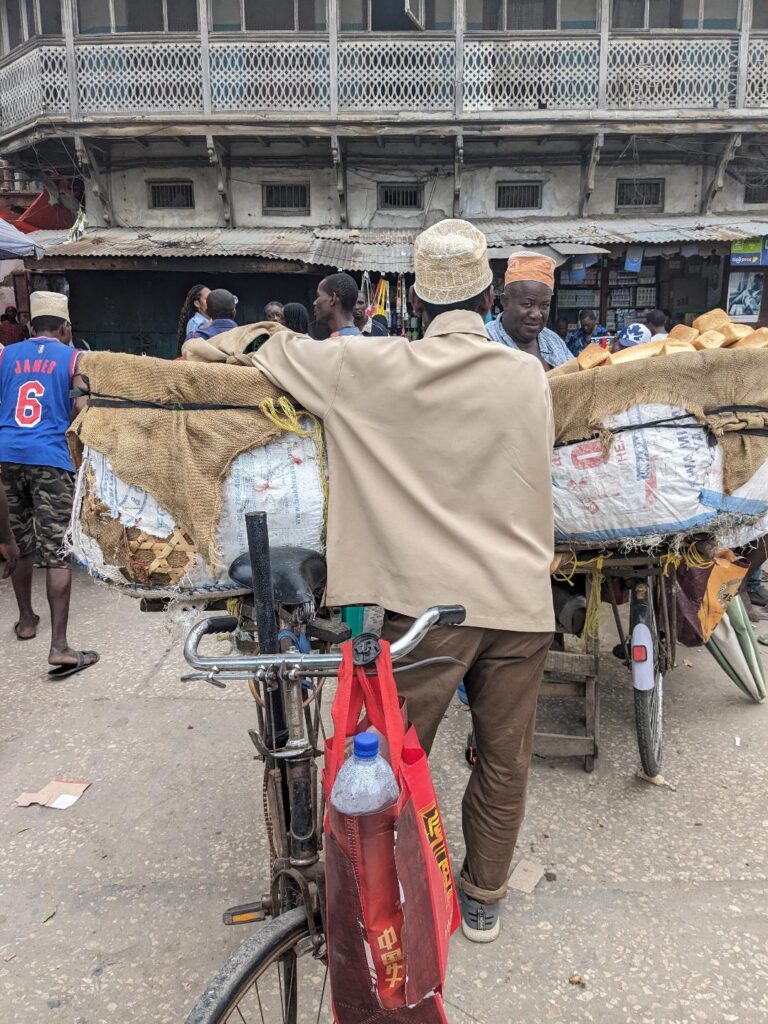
(647,677)
(272,978)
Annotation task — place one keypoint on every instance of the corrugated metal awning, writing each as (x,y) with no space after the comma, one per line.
(390,250)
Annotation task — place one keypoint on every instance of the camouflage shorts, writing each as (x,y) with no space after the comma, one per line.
(40,504)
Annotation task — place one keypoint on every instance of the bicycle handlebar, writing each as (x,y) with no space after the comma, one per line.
(312,663)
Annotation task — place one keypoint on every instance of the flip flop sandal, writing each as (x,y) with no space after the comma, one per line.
(62,671)
(16,630)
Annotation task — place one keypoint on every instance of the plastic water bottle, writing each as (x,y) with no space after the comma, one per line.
(365,782)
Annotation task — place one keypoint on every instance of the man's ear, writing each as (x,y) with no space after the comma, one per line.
(487,300)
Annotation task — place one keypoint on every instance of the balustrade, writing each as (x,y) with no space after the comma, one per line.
(381,75)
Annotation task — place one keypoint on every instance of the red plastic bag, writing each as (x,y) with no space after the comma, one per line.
(390,895)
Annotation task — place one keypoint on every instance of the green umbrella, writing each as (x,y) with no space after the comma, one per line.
(735,649)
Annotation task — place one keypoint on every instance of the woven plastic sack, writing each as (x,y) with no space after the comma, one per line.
(122,536)
(643,482)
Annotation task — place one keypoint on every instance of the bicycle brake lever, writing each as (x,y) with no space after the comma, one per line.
(208,677)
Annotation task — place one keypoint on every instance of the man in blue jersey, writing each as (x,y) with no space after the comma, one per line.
(37,473)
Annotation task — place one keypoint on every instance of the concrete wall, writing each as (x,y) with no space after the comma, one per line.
(682,186)
(246,196)
(560,197)
(732,198)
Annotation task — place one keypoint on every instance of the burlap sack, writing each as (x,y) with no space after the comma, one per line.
(179,457)
(698,382)
(230,346)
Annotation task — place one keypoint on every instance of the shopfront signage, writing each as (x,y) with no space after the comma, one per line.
(751,252)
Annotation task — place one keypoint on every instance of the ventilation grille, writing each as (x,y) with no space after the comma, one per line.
(646,194)
(171,195)
(285,198)
(518,195)
(401,197)
(756,190)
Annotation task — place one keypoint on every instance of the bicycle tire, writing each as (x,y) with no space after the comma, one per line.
(649,704)
(247,964)
(648,725)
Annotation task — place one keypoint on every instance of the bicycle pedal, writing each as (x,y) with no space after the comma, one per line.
(328,631)
(246,913)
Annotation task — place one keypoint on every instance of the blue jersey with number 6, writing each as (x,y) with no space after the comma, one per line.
(35,379)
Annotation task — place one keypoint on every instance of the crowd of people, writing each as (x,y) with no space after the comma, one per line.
(648,325)
(206,313)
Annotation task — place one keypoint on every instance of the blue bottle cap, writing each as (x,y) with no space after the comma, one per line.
(366,744)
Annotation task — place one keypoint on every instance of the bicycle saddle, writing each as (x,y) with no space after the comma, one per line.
(297,574)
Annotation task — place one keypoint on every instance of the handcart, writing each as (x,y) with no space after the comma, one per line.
(647,648)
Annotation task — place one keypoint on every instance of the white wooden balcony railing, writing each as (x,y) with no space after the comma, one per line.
(531,74)
(368,76)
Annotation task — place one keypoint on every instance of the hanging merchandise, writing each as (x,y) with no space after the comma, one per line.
(403,306)
(380,298)
(367,290)
(388,309)
(396,319)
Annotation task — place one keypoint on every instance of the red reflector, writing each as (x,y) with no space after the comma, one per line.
(639,653)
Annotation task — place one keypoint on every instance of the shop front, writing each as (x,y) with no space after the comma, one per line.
(127,287)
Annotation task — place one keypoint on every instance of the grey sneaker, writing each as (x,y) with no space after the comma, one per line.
(479,921)
(759,596)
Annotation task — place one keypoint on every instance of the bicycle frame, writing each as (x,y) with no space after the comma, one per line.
(287,738)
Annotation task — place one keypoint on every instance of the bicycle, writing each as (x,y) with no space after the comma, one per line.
(261,980)
(647,648)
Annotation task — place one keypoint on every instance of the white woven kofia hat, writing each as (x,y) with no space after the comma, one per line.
(451,262)
(48,304)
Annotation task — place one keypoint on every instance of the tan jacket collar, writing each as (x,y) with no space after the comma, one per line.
(457,321)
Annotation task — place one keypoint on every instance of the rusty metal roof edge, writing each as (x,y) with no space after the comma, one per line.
(390,249)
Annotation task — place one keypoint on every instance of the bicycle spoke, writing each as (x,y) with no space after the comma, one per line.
(258,996)
(280,986)
(322,996)
(240,1015)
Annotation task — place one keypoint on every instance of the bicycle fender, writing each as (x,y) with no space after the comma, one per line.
(643,673)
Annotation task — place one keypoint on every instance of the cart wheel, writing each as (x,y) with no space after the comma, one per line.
(647,676)
(470,753)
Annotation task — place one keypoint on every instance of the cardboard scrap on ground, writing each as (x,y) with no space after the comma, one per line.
(58,794)
(526,876)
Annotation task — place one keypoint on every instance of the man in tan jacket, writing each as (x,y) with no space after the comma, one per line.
(439,454)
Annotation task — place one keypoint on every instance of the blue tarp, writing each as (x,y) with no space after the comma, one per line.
(14,245)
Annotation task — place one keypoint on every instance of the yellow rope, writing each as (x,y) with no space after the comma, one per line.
(562,573)
(694,558)
(287,419)
(671,561)
(592,616)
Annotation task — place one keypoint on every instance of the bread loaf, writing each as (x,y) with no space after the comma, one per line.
(643,351)
(757,339)
(592,355)
(734,332)
(712,320)
(683,333)
(673,346)
(710,339)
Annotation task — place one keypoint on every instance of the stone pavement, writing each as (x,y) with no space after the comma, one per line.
(659,897)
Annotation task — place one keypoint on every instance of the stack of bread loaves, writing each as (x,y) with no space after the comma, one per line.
(710,330)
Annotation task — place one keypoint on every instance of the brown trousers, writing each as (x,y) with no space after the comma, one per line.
(502,678)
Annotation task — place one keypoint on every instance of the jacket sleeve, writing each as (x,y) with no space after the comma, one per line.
(550,415)
(306,369)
